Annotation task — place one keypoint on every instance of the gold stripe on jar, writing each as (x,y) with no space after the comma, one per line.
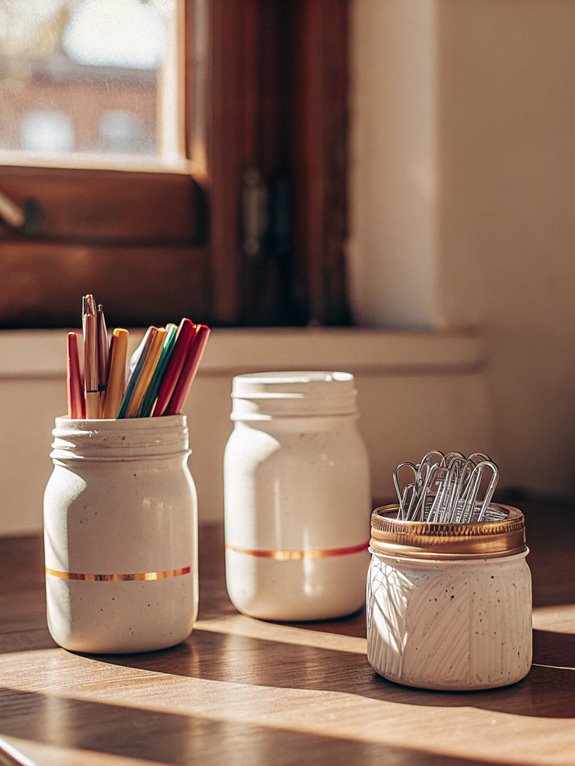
(90,577)
(298,555)
(503,534)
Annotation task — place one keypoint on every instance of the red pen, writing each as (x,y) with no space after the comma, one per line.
(75,387)
(186,334)
(189,370)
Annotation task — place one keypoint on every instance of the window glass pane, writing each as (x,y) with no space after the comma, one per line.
(85,77)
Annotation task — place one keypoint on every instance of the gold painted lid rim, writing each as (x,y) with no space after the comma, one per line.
(432,539)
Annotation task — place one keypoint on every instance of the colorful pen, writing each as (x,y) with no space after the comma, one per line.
(146,373)
(139,356)
(152,391)
(153,382)
(186,334)
(117,375)
(102,353)
(91,378)
(189,370)
(74,378)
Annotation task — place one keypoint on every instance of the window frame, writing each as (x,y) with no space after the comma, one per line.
(268,91)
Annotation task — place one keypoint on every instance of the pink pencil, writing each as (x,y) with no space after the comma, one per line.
(189,370)
(184,339)
(74,384)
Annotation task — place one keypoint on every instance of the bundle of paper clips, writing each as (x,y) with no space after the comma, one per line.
(448,488)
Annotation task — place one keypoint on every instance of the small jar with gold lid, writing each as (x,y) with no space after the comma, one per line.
(449,604)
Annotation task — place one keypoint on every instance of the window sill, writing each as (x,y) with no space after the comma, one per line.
(41,353)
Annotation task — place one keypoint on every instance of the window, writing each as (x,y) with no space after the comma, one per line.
(220,197)
(73,67)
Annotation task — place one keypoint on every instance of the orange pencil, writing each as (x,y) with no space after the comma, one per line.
(117,375)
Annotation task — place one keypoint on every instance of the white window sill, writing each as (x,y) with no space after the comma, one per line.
(42,353)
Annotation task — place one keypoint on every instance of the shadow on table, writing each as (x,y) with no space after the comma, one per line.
(176,738)
(547,692)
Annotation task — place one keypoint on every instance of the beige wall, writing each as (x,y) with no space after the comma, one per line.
(498,223)
(393,168)
(507,126)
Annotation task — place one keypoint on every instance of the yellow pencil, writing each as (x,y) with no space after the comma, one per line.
(116,378)
(150,362)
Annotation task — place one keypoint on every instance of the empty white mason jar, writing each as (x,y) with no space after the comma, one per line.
(297,497)
(449,605)
(120,535)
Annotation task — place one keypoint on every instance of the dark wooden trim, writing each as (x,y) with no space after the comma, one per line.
(319,158)
(138,285)
(108,207)
(231,143)
(277,85)
(270,93)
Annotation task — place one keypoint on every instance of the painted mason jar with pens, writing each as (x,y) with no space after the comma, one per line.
(120,508)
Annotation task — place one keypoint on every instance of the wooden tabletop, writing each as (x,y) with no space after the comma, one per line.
(243,691)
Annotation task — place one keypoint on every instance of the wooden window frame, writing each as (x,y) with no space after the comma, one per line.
(152,246)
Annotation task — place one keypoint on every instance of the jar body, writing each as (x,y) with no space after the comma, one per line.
(120,536)
(451,624)
(297,503)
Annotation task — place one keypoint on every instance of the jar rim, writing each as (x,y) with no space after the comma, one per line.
(120,424)
(119,439)
(502,535)
(290,377)
(293,393)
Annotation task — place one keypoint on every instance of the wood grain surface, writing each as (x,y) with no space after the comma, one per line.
(242,691)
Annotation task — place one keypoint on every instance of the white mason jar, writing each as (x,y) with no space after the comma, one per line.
(120,535)
(297,497)
(449,605)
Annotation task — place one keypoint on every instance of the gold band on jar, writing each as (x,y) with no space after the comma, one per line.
(298,555)
(89,577)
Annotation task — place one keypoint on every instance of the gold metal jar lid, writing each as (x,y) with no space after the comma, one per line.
(502,534)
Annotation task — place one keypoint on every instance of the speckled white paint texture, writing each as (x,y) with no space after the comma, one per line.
(296,478)
(121,500)
(457,625)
